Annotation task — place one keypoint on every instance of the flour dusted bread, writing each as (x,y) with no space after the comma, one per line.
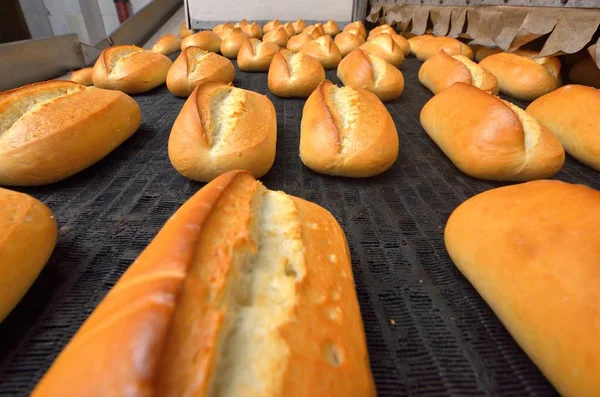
(167,45)
(278,36)
(348,42)
(184,31)
(571,113)
(130,69)
(223,128)
(331,28)
(256,56)
(296,42)
(82,76)
(488,138)
(245,291)
(399,40)
(585,72)
(205,40)
(195,66)
(531,251)
(523,76)
(370,72)
(442,70)
(52,130)
(27,239)
(230,46)
(347,132)
(324,50)
(385,46)
(429,46)
(294,75)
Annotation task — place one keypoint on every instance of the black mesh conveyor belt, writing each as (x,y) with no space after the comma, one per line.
(429,333)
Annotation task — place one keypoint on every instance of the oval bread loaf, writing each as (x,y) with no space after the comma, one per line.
(205,40)
(294,75)
(82,76)
(385,46)
(256,56)
(167,45)
(323,50)
(348,42)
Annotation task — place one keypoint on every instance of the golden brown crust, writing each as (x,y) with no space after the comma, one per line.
(313,31)
(241,23)
(130,69)
(571,113)
(324,50)
(487,138)
(253,30)
(230,46)
(289,29)
(27,238)
(167,45)
(430,46)
(184,31)
(82,76)
(331,28)
(482,52)
(274,24)
(385,28)
(278,36)
(299,26)
(297,41)
(294,75)
(400,40)
(195,66)
(416,42)
(52,130)
(585,72)
(348,42)
(356,25)
(347,132)
(205,40)
(223,30)
(256,56)
(532,255)
(385,46)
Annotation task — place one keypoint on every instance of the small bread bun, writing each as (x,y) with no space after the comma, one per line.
(223,29)
(348,42)
(362,70)
(130,69)
(347,132)
(184,31)
(297,41)
(489,138)
(416,42)
(524,78)
(482,52)
(253,30)
(442,70)
(278,36)
(205,40)
(385,28)
(585,72)
(331,28)
(195,66)
(271,25)
(82,76)
(429,46)
(289,29)
(357,32)
(385,46)
(256,56)
(320,27)
(299,26)
(230,46)
(222,128)
(313,31)
(167,45)
(356,25)
(324,50)
(241,23)
(399,40)
(294,75)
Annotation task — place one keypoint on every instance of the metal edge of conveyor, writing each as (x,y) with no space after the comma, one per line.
(510,3)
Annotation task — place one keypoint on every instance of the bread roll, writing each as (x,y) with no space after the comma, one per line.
(195,307)
(416,43)
(167,45)
(82,76)
(230,46)
(27,239)
(223,30)
(361,70)
(205,40)
(289,29)
(52,130)
(401,41)
(223,128)
(320,27)
(585,72)
(356,25)
(130,69)
(271,25)
(429,47)
(347,132)
(488,138)
(323,50)
(482,52)
(299,26)
(357,32)
(255,56)
(524,78)
(253,30)
(531,251)
(348,42)
(294,75)
(278,36)
(195,66)
(184,31)
(571,113)
(241,23)
(313,31)
(331,28)
(385,46)
(442,70)
(385,28)
(296,42)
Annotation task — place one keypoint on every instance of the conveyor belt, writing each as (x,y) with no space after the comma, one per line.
(429,333)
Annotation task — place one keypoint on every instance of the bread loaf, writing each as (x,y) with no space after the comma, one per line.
(385,28)
(241,23)
(52,130)
(253,30)
(230,46)
(167,45)
(27,239)
(356,25)
(571,113)
(195,66)
(296,42)
(184,31)
(361,70)
(223,128)
(488,138)
(331,28)
(320,27)
(417,42)
(522,77)
(289,29)
(347,132)
(430,46)
(355,31)
(244,292)
(130,69)
(299,26)
(482,52)
(442,70)
(278,36)
(313,31)
(223,30)
(271,25)
(82,76)
(531,251)
(294,75)
(256,56)
(205,40)
(385,46)
(585,72)
(323,50)
(399,40)
(348,42)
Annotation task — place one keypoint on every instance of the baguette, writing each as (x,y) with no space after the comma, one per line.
(331,28)
(323,50)
(278,36)
(431,46)
(52,130)
(253,30)
(195,66)
(571,113)
(294,75)
(361,70)
(348,42)
(184,31)
(205,40)
(531,251)
(256,56)
(82,76)
(222,128)
(347,132)
(130,69)
(585,72)
(385,46)
(27,239)
(230,46)
(296,42)
(488,138)
(442,70)
(223,30)
(167,45)
(400,40)
(244,292)
(299,26)
(271,25)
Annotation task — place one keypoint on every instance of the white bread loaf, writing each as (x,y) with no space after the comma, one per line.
(294,75)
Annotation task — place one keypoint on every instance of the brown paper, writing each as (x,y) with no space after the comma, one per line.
(458,20)
(419,20)
(573,31)
(440,17)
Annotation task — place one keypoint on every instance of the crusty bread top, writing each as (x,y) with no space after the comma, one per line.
(204,39)
(82,76)
(167,44)
(331,28)
(313,31)
(356,25)
(295,62)
(113,57)
(297,41)
(271,25)
(289,29)
(241,23)
(385,28)
(358,63)
(299,26)
(253,30)
(324,46)
(197,59)
(258,49)
(277,35)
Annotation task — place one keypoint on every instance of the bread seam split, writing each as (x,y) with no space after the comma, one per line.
(531,135)
(476,78)
(226,110)
(346,102)
(116,60)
